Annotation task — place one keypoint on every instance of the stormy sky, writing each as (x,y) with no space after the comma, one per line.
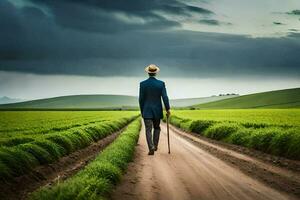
(225,45)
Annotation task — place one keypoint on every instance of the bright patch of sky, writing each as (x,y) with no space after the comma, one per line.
(31,86)
(258,18)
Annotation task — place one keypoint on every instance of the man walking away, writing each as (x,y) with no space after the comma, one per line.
(151,93)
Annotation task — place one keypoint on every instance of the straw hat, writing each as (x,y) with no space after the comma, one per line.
(152,69)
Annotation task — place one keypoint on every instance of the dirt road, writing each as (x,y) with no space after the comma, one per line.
(187,173)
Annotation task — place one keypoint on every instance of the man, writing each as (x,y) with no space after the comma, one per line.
(151,93)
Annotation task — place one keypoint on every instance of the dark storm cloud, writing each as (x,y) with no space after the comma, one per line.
(136,7)
(209,22)
(294,12)
(90,39)
(90,20)
(184,10)
(278,23)
(100,19)
(25,33)
(198,10)
(101,15)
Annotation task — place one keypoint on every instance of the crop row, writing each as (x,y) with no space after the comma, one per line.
(18,139)
(95,181)
(21,158)
(277,140)
(20,123)
(249,117)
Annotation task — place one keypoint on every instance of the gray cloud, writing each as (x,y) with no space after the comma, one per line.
(278,23)
(76,16)
(209,22)
(101,15)
(213,22)
(294,12)
(76,38)
(198,10)
(140,7)
(184,10)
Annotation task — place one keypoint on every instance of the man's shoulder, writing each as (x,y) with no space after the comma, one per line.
(148,81)
(143,82)
(160,82)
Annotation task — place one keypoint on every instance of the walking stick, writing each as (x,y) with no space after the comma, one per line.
(168,134)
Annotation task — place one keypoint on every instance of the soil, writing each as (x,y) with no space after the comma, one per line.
(49,174)
(199,168)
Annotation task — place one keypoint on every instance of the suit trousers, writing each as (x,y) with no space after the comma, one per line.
(152,141)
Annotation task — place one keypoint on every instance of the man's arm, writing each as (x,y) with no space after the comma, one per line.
(141,98)
(165,99)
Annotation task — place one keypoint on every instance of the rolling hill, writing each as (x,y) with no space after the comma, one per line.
(192,101)
(288,98)
(77,102)
(6,100)
(100,102)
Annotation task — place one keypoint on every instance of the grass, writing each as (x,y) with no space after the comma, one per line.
(15,162)
(274,131)
(78,102)
(22,123)
(289,98)
(247,117)
(90,102)
(179,103)
(21,153)
(95,181)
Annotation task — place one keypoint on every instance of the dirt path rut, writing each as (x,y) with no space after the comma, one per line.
(187,173)
(49,174)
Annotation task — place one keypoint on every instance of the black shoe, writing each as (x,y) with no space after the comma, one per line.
(151,152)
(155,148)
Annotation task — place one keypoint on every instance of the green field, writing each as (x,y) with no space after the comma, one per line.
(274,131)
(14,123)
(31,138)
(289,98)
(100,102)
(192,101)
(78,102)
(96,180)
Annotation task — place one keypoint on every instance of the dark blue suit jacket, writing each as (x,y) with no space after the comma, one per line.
(151,93)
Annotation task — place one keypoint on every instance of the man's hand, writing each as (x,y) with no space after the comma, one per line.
(168,113)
